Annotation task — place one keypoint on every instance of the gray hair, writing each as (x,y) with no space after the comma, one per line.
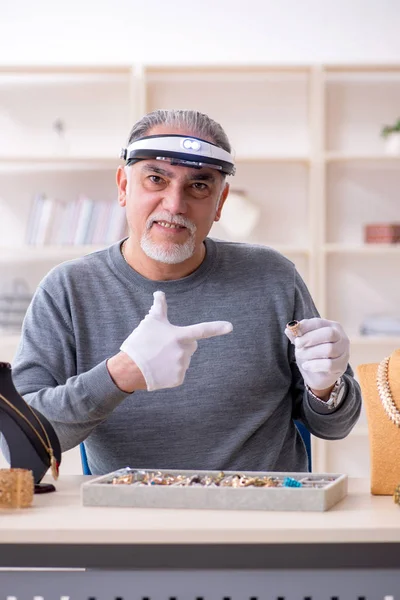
(192,121)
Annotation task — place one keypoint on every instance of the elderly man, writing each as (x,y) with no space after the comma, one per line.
(124,348)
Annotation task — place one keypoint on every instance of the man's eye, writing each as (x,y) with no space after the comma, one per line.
(199,186)
(155,179)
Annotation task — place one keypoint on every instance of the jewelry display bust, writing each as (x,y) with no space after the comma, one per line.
(31,439)
(380,386)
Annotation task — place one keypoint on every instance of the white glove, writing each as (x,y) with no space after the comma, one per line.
(163,351)
(322,351)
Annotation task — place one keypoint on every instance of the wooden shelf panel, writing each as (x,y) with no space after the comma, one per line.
(368,158)
(89,163)
(62,253)
(157,73)
(58,163)
(31,70)
(375,340)
(363,68)
(278,158)
(20,254)
(367,249)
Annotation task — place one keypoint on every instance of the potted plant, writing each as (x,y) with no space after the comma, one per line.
(391,135)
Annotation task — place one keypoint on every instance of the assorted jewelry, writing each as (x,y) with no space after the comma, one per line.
(16,488)
(181,480)
(233,480)
(291,482)
(45,441)
(385,395)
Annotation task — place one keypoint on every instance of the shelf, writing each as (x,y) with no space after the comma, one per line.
(282,158)
(225,73)
(20,254)
(362,249)
(363,68)
(62,253)
(64,69)
(53,163)
(375,340)
(72,76)
(58,163)
(363,76)
(343,157)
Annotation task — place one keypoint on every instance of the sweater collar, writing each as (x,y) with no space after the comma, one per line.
(133,277)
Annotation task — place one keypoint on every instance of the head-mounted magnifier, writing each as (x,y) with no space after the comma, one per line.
(180,150)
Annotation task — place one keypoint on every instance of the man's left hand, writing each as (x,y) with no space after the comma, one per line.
(322,352)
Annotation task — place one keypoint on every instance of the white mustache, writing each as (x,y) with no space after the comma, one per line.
(175,220)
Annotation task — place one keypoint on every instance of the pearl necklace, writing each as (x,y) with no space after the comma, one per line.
(384,392)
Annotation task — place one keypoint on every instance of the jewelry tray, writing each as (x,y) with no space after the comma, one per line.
(319,492)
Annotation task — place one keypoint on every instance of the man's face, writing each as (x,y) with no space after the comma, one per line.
(170,209)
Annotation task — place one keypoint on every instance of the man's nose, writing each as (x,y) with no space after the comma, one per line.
(174,200)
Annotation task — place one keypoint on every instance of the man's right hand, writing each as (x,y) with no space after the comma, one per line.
(163,351)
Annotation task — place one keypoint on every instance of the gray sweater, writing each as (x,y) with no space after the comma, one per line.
(236,407)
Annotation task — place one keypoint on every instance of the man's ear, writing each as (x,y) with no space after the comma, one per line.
(122,184)
(221,202)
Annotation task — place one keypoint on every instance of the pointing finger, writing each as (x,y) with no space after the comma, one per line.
(207,330)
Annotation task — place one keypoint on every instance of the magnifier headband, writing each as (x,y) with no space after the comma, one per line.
(180,150)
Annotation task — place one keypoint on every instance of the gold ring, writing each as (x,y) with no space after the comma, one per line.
(294,328)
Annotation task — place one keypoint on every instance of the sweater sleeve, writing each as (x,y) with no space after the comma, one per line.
(45,374)
(321,421)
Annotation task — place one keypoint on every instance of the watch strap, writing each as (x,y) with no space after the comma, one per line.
(336,395)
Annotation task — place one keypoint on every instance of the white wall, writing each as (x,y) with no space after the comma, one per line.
(209,31)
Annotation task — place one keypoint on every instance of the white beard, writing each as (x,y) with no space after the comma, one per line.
(173,255)
(170,253)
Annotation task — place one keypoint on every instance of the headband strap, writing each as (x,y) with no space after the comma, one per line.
(180,150)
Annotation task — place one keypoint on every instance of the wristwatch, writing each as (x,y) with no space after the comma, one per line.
(336,396)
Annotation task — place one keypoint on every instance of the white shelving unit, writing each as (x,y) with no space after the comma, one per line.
(309,154)
(61,134)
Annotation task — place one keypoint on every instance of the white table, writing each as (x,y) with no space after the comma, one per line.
(352,550)
(57,531)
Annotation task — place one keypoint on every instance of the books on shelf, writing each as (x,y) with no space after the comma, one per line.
(54,221)
(15,297)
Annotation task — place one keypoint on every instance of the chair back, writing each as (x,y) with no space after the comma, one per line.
(85,466)
(306,435)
